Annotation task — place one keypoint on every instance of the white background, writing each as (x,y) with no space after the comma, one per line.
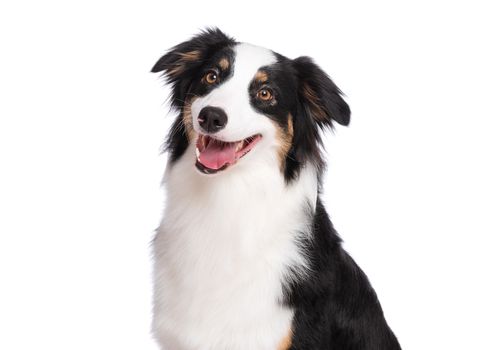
(82,122)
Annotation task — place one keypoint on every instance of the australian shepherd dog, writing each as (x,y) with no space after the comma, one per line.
(246,257)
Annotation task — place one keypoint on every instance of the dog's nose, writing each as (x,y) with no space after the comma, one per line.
(212,119)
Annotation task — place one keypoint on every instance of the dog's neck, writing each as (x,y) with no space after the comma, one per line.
(244,196)
(244,207)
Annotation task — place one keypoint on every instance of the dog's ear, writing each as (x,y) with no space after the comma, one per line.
(181,63)
(192,53)
(321,97)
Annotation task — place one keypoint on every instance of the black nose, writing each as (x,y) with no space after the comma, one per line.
(212,119)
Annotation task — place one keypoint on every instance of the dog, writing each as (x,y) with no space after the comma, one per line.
(246,257)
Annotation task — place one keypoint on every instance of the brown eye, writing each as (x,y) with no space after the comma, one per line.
(211,77)
(265,95)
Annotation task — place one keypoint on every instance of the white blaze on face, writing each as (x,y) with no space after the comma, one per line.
(233,97)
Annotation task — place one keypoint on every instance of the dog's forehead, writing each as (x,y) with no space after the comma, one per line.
(249,59)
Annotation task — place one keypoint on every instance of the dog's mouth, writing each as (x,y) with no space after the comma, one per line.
(214,155)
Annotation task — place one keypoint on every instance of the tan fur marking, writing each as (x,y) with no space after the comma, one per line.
(290,125)
(224,63)
(287,341)
(261,76)
(187,118)
(189,56)
(285,141)
(179,66)
(176,70)
(318,112)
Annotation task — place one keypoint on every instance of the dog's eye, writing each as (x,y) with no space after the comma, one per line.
(264,95)
(211,77)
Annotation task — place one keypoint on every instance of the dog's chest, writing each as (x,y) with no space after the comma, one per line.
(220,266)
(220,298)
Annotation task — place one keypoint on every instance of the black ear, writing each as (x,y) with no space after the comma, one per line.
(181,63)
(190,53)
(321,97)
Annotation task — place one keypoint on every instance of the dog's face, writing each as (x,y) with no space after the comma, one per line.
(245,106)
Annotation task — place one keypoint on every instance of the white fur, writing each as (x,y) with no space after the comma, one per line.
(228,241)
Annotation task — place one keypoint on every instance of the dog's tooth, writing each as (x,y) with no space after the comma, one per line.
(239,146)
(198,153)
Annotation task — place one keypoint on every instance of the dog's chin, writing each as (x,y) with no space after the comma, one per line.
(214,156)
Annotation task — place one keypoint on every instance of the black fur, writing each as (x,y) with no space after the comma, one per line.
(335,307)
(307,143)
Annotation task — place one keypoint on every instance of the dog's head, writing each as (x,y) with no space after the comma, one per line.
(245,106)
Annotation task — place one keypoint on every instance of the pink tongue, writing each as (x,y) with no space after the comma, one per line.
(216,155)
